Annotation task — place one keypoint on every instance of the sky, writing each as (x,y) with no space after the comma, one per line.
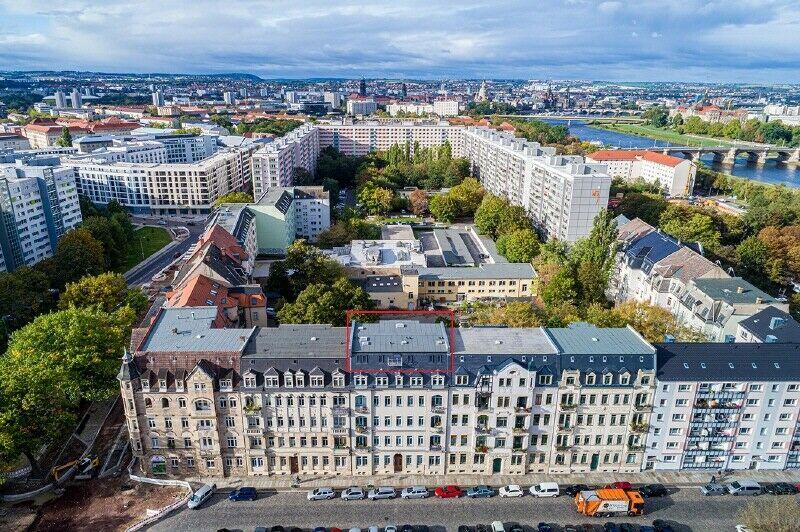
(640,40)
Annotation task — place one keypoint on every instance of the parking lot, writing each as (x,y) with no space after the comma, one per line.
(686,510)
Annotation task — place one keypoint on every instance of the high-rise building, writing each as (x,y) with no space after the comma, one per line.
(229,97)
(158,98)
(38,204)
(361,107)
(274,164)
(403,91)
(243,92)
(61,100)
(362,87)
(75,98)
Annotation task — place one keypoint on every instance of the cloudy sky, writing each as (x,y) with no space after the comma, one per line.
(693,40)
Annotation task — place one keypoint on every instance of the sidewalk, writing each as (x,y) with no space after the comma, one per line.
(669,478)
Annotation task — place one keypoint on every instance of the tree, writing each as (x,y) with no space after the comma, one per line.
(592,258)
(77,254)
(302,177)
(110,234)
(651,321)
(344,231)
(304,265)
(752,255)
(656,116)
(419,202)
(513,314)
(444,208)
(698,228)
(560,289)
(107,291)
(234,197)
(771,515)
(521,245)
(645,206)
(469,194)
(324,303)
(376,200)
(23,296)
(783,245)
(65,140)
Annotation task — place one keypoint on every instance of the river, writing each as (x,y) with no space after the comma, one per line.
(770,172)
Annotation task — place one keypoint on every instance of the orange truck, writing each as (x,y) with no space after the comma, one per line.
(609,501)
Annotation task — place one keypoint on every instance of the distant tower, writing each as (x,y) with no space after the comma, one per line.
(481,96)
(229,97)
(158,99)
(403,91)
(362,87)
(243,92)
(61,100)
(77,101)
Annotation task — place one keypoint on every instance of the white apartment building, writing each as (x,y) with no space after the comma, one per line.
(561,194)
(437,107)
(673,175)
(12,141)
(361,107)
(274,164)
(361,138)
(770,325)
(725,406)
(446,107)
(38,204)
(164,188)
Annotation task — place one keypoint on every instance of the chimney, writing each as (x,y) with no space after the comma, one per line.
(759,301)
(740,289)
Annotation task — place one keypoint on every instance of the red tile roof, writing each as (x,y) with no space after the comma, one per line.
(630,155)
(224,241)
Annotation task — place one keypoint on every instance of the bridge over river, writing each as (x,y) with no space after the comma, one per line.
(756,153)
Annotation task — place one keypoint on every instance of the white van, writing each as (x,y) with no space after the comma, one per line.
(545,489)
(201,495)
(415,492)
(744,487)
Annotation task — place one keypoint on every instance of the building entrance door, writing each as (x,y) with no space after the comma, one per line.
(398,463)
(595,461)
(293,466)
(497,465)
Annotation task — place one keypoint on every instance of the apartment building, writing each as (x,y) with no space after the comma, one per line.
(725,406)
(674,175)
(770,325)
(12,141)
(274,164)
(386,397)
(361,138)
(38,204)
(361,107)
(164,188)
(449,285)
(561,194)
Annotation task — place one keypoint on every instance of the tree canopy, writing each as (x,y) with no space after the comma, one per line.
(324,303)
(234,197)
(107,291)
(521,245)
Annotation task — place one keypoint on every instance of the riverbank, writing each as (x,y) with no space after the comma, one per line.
(665,135)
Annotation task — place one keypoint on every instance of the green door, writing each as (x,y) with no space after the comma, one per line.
(595,461)
(497,465)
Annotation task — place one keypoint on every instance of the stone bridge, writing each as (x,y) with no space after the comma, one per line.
(728,154)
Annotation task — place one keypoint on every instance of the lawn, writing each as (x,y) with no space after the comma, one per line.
(667,135)
(147,241)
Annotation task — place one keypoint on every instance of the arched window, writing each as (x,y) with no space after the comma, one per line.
(436,400)
(148,403)
(436,421)
(164,402)
(201,405)
(361,400)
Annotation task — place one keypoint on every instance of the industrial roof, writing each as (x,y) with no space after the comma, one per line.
(728,362)
(582,338)
(732,290)
(510,270)
(502,341)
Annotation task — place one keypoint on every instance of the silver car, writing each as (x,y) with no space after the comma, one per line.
(321,494)
(713,489)
(352,494)
(381,493)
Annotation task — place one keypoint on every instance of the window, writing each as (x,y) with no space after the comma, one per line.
(202,405)
(607,378)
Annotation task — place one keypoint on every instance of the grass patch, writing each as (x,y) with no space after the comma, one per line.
(667,135)
(146,241)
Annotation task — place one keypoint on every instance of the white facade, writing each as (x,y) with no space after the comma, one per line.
(274,164)
(673,175)
(14,142)
(361,107)
(38,204)
(446,107)
(365,137)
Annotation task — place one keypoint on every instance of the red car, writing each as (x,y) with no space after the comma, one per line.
(447,492)
(620,486)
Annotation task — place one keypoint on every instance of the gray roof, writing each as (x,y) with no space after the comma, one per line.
(586,339)
(729,362)
(190,329)
(510,270)
(397,232)
(399,336)
(732,290)
(772,325)
(296,341)
(453,246)
(383,283)
(502,341)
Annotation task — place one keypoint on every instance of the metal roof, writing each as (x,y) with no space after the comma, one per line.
(296,341)
(771,324)
(502,341)
(582,338)
(399,336)
(190,329)
(511,270)
(728,362)
(732,290)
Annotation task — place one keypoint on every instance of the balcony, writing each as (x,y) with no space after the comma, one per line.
(640,427)
(714,405)
(361,429)
(338,409)
(481,448)
(643,407)
(522,409)
(436,447)
(438,430)
(520,430)
(483,429)
(568,406)
(340,430)
(562,448)
(565,428)
(360,410)
(437,409)
(252,409)
(255,431)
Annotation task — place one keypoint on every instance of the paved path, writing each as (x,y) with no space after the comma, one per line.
(685,509)
(143,272)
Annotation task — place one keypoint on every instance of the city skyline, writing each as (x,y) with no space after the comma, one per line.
(611,40)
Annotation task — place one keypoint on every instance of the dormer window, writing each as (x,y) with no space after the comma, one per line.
(360,380)
(271,382)
(288,380)
(462,380)
(625,379)
(398,380)
(381,382)
(179,385)
(300,380)
(145,385)
(226,384)
(317,382)
(608,378)
(437,380)
(416,381)
(338,381)
(591,378)
(162,385)
(545,380)
(249,381)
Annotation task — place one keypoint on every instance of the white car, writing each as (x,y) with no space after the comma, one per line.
(545,489)
(390,528)
(512,490)
(415,492)
(352,494)
(320,494)
(381,493)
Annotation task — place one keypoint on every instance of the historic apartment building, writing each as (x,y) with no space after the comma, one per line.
(391,396)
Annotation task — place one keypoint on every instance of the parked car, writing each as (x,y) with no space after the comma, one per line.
(587,527)
(571,528)
(744,487)
(381,493)
(622,485)
(713,489)
(512,490)
(415,492)
(448,492)
(320,529)
(480,492)
(545,489)
(628,527)
(464,528)
(786,488)
(497,526)
(611,527)
(662,526)
(653,490)
(352,494)
(243,494)
(544,527)
(769,487)
(162,222)
(373,528)
(320,494)
(200,496)
(390,528)
(515,527)
(574,489)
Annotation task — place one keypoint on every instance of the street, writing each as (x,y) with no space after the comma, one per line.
(685,509)
(162,258)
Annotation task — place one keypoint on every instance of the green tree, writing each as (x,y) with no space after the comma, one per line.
(77,254)
(304,265)
(110,234)
(324,303)
(489,214)
(469,194)
(647,207)
(560,289)
(234,197)
(521,245)
(107,291)
(444,208)
(65,140)
(697,228)
(376,200)
(344,231)
(752,255)
(656,116)
(592,258)
(23,296)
